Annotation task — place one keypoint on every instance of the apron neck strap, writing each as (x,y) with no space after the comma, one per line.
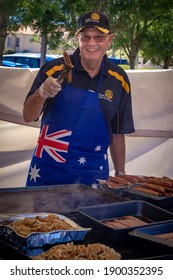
(101,76)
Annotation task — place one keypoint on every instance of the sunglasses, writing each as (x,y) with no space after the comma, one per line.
(99,38)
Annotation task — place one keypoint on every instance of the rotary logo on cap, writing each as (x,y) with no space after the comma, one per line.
(95,16)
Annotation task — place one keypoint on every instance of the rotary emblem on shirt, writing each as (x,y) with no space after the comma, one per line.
(109,94)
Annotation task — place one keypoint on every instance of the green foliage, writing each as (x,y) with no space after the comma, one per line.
(132,22)
(9,51)
(7,9)
(35,39)
(26,51)
(158,42)
(125,67)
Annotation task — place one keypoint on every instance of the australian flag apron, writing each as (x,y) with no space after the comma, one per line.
(73,141)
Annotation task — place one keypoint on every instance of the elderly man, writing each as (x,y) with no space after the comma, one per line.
(81,119)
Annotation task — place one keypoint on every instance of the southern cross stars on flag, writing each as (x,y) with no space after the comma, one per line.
(34,173)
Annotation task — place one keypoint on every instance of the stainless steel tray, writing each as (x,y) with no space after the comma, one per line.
(38,239)
(161,201)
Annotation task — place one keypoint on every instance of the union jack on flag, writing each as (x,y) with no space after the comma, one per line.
(51,143)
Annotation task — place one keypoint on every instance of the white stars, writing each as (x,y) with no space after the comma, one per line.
(105,156)
(101,167)
(82,160)
(94,186)
(98,148)
(34,173)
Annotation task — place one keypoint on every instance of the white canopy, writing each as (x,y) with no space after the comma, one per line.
(148,151)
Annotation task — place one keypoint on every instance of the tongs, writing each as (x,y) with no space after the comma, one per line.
(66,71)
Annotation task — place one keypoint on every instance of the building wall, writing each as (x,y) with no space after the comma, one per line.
(20,42)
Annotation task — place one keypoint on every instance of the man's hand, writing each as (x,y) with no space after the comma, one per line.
(49,88)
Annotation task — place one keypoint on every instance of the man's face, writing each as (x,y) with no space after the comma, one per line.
(93,44)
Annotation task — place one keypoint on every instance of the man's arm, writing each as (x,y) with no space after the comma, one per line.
(33,107)
(117,151)
(34,104)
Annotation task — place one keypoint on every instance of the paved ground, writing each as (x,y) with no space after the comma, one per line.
(17,144)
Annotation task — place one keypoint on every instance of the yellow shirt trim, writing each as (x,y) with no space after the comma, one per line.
(51,71)
(120,78)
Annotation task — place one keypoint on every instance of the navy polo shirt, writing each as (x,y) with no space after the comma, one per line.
(114,93)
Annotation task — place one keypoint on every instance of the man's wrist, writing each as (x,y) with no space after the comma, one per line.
(120,173)
(40,90)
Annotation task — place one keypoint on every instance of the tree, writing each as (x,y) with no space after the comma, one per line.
(45,18)
(158,42)
(8,8)
(131,21)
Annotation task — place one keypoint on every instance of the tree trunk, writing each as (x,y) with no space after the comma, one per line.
(132,64)
(166,63)
(132,58)
(43,49)
(133,52)
(113,51)
(3,33)
(2,46)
